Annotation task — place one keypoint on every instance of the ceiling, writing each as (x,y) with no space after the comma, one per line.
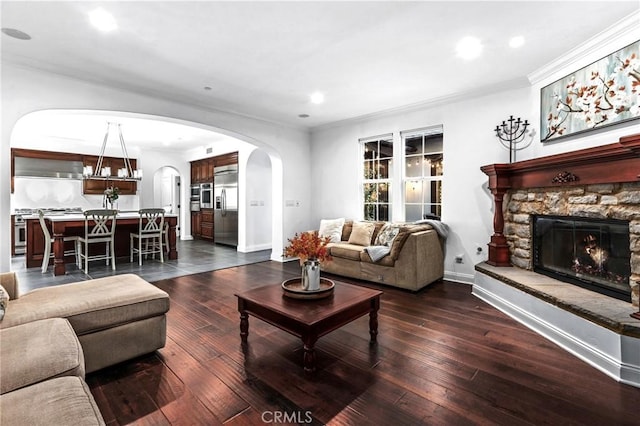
(264,59)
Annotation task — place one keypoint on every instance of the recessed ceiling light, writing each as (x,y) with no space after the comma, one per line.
(469,48)
(517,41)
(103,20)
(317,98)
(303,115)
(11,32)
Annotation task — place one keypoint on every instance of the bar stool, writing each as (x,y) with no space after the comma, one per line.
(101,231)
(150,229)
(48,243)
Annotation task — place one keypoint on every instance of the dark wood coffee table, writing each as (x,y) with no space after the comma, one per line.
(309,319)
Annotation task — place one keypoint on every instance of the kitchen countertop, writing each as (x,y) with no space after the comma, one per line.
(61,217)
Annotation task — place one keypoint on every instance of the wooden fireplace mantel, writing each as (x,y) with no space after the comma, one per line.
(613,163)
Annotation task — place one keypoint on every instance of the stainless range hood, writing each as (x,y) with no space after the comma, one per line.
(45,168)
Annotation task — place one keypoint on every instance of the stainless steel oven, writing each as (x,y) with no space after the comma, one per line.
(20,235)
(195,198)
(206,195)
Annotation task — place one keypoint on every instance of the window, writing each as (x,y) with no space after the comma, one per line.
(377,155)
(423,173)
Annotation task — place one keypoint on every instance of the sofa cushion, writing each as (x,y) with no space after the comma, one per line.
(377,227)
(403,234)
(362,233)
(345,250)
(387,234)
(4,300)
(385,261)
(38,351)
(346,230)
(331,228)
(91,305)
(64,401)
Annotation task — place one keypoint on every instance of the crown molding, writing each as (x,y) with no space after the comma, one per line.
(620,33)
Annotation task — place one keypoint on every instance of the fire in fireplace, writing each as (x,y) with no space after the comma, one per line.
(591,253)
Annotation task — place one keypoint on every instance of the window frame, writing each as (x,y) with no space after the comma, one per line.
(378,181)
(423,179)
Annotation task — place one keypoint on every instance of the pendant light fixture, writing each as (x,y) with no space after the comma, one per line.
(102,172)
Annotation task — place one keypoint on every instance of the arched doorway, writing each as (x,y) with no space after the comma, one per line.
(166,191)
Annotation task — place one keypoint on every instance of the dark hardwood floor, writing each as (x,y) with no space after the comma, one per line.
(443,357)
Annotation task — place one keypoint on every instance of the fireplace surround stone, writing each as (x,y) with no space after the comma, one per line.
(601,182)
(599,201)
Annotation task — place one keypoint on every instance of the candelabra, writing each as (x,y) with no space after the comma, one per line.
(511,133)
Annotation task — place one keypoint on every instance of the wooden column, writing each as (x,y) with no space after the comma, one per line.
(499,185)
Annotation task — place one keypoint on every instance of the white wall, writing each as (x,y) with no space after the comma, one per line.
(469,143)
(26,90)
(258,203)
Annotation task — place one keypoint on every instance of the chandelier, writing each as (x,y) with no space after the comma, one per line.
(103,172)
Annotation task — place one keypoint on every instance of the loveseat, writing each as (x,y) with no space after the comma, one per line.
(411,255)
(51,336)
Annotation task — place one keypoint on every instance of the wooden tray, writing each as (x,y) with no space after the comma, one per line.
(293,288)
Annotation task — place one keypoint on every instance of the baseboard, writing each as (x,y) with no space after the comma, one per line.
(458,277)
(255,247)
(614,354)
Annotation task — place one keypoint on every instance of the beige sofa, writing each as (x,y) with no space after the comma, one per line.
(415,259)
(51,336)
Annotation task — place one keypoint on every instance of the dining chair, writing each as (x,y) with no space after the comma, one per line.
(48,244)
(150,231)
(99,227)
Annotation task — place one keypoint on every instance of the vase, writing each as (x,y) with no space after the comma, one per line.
(311,275)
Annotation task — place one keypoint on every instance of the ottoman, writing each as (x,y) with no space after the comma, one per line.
(115,318)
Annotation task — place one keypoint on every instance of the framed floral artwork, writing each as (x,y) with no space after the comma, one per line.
(604,93)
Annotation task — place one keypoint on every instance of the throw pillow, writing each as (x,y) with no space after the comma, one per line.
(362,233)
(331,228)
(4,299)
(387,234)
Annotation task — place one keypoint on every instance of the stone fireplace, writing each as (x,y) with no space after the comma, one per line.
(598,183)
(581,289)
(594,209)
(591,253)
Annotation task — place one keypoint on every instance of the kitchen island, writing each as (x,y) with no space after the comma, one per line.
(63,225)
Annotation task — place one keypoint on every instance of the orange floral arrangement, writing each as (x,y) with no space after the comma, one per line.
(308,245)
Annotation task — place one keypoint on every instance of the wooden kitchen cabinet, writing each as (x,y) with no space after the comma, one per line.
(207,231)
(202,171)
(195,225)
(226,159)
(206,224)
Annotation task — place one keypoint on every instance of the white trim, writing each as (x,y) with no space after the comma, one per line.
(622,33)
(384,136)
(423,131)
(614,354)
(458,277)
(254,247)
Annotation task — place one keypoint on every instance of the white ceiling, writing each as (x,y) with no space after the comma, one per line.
(264,59)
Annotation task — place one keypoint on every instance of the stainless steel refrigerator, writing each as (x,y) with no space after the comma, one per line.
(225,214)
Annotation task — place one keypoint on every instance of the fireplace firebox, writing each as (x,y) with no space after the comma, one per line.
(590,253)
